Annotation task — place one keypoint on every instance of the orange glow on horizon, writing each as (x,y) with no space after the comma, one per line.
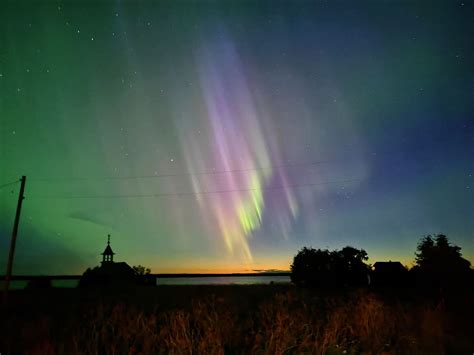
(219,267)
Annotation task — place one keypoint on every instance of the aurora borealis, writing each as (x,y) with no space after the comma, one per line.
(225,136)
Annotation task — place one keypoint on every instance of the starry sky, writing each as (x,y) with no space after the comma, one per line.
(224,136)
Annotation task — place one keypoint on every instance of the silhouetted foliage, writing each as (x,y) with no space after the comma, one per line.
(141,270)
(235,319)
(438,255)
(143,274)
(111,274)
(319,267)
(310,265)
(440,263)
(90,277)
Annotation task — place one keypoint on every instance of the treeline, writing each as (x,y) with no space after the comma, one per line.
(438,263)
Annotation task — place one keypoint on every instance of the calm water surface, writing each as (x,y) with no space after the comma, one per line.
(223,280)
(218,280)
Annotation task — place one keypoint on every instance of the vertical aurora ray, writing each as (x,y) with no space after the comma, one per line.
(303,94)
(240,141)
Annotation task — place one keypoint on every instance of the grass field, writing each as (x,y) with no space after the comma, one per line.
(255,319)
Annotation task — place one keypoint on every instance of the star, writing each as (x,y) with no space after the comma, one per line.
(238,109)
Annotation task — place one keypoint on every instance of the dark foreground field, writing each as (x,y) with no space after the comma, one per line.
(263,319)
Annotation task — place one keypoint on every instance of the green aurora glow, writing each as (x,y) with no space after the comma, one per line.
(378,95)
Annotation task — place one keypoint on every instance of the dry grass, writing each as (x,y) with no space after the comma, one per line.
(286,322)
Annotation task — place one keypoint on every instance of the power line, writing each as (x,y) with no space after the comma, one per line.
(218,172)
(9,183)
(192,193)
(187,173)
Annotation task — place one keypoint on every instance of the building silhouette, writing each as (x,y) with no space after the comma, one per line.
(108,254)
(110,274)
(389,267)
(389,273)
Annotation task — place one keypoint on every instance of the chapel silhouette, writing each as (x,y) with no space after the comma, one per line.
(110,274)
(108,254)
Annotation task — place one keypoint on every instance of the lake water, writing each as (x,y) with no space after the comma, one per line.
(216,280)
(223,280)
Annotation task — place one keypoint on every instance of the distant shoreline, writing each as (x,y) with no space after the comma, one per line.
(160,276)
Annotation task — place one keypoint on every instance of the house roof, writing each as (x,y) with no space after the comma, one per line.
(389,266)
(108,251)
(118,269)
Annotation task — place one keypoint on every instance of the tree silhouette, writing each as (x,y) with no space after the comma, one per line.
(90,277)
(438,255)
(310,266)
(141,270)
(330,268)
(439,263)
(350,266)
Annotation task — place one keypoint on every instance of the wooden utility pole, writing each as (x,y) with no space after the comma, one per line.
(8,275)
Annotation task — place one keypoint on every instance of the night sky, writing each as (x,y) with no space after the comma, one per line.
(224,136)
